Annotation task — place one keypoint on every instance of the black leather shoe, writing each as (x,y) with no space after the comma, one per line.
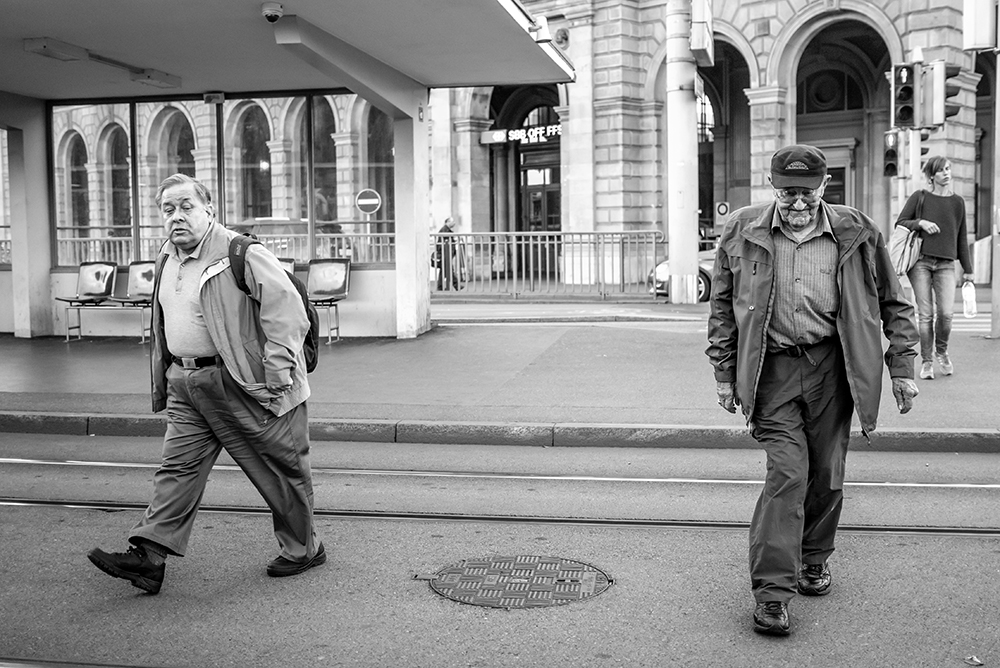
(814,580)
(134,566)
(771,618)
(281,567)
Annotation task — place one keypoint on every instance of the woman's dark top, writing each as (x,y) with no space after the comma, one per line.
(948,211)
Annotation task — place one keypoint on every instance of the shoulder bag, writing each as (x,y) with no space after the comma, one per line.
(904,243)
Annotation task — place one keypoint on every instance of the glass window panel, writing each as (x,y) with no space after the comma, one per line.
(4,200)
(267,189)
(176,137)
(266,184)
(92,165)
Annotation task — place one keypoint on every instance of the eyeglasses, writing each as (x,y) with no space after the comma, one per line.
(791,194)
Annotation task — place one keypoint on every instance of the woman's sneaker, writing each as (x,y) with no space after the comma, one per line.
(927,370)
(947,368)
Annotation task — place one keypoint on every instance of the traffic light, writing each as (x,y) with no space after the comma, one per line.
(939,99)
(890,153)
(905,96)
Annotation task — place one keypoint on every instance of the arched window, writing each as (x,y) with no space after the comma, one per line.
(828,90)
(180,146)
(121,201)
(255,164)
(79,193)
(381,162)
(541,116)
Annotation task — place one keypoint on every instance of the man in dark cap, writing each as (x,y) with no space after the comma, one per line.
(794,342)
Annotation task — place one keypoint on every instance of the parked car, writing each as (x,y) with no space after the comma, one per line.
(658,280)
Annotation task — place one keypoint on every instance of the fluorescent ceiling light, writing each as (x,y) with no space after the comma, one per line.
(156,78)
(53,48)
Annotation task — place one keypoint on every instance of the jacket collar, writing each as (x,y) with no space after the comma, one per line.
(848,233)
(213,246)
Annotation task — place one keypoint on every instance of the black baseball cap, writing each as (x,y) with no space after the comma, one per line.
(798,166)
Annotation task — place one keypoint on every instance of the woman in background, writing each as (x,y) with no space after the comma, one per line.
(941,223)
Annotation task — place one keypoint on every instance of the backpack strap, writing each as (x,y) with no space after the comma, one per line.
(237,259)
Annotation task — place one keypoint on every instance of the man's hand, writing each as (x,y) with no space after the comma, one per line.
(904,389)
(727,395)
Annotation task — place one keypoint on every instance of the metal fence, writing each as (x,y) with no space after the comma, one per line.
(516,264)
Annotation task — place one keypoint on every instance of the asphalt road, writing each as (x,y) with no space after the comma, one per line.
(680,596)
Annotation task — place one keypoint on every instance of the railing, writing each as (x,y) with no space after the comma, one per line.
(361,248)
(596,264)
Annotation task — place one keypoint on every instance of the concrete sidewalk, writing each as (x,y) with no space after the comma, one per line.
(520,373)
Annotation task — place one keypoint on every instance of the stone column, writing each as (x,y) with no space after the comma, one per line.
(348,174)
(769,131)
(96,200)
(471,199)
(577,144)
(442,158)
(283,195)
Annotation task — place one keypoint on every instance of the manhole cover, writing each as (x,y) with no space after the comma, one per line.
(521,581)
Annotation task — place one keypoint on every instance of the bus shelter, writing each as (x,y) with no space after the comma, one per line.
(293,113)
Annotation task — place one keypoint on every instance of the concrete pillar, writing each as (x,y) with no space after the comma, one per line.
(31,234)
(681,155)
(412,170)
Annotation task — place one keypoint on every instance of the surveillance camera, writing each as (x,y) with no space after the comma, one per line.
(272,11)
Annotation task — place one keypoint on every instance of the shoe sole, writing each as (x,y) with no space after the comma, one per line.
(151,586)
(318,559)
(771,630)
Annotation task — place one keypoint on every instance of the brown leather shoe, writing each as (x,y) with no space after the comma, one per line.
(814,580)
(281,567)
(134,566)
(771,618)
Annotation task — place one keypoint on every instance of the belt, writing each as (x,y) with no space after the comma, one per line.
(799,351)
(196,362)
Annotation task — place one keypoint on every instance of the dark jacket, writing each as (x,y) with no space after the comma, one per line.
(871,302)
(259,339)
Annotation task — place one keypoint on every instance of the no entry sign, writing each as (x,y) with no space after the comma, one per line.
(368,201)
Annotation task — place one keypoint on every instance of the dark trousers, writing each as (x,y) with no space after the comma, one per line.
(207,411)
(802,419)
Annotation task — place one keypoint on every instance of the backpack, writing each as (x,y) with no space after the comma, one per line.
(310,345)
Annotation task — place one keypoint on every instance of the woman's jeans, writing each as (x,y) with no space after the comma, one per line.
(933,280)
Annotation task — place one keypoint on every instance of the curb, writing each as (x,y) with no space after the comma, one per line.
(495,320)
(539,434)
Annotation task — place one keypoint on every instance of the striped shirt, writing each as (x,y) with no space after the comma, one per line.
(806,295)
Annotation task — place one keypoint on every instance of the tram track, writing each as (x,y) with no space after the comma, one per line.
(648,523)
(519,496)
(499,475)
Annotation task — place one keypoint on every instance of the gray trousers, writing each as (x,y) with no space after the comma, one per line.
(802,419)
(208,411)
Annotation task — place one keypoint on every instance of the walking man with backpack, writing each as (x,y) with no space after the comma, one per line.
(229,368)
